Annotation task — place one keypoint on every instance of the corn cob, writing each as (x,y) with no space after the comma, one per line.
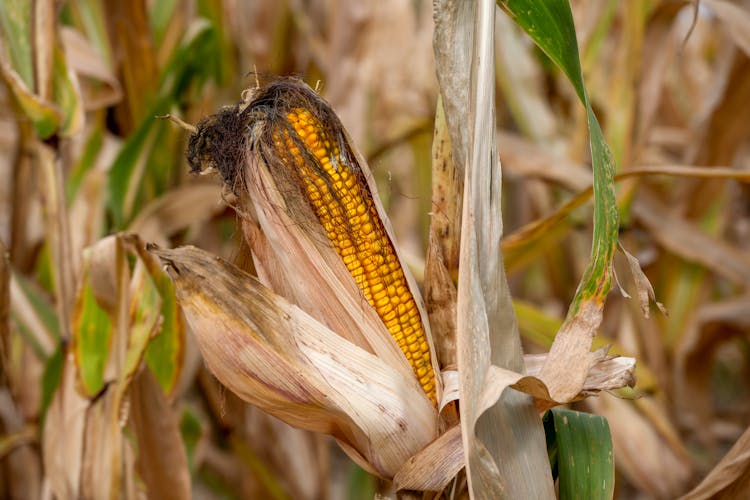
(342,202)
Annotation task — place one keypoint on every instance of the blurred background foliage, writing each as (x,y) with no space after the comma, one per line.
(84,156)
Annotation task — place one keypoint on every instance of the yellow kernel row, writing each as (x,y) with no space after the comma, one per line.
(342,202)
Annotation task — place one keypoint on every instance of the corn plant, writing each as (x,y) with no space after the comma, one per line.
(241,307)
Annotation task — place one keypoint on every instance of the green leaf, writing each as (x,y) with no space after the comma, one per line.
(582,445)
(91,149)
(165,351)
(40,325)
(548,420)
(44,117)
(192,431)
(92,335)
(66,94)
(361,484)
(51,378)
(88,17)
(160,16)
(15,23)
(550,24)
(144,315)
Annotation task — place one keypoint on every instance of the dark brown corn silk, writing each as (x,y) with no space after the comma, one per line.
(297,134)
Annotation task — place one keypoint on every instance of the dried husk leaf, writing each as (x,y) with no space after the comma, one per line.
(435,466)
(277,357)
(441,263)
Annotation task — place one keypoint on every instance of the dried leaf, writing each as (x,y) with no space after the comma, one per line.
(161,460)
(693,396)
(643,285)
(176,210)
(57,226)
(4,305)
(434,467)
(684,239)
(277,357)
(644,456)
(731,476)
(86,62)
(735,19)
(487,332)
(62,451)
(296,458)
(101,469)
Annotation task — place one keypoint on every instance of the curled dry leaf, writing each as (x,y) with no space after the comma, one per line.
(643,285)
(604,373)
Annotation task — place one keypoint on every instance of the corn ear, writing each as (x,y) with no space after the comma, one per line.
(314,222)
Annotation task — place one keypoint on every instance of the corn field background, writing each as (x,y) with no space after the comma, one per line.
(83,156)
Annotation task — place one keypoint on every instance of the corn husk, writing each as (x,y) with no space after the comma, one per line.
(276,356)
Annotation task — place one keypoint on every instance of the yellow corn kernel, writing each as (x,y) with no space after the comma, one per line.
(342,203)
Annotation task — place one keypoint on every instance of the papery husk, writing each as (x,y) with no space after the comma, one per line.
(277,357)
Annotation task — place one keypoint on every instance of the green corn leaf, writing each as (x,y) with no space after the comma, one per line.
(550,24)
(580,449)
(15,27)
(66,94)
(165,351)
(144,316)
(39,326)
(51,378)
(92,335)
